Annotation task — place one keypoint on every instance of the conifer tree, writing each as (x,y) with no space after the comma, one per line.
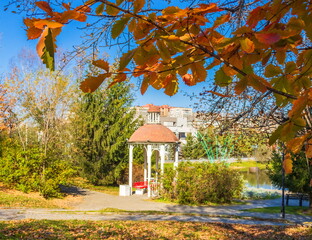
(104,122)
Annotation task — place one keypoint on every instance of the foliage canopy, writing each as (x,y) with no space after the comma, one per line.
(269,50)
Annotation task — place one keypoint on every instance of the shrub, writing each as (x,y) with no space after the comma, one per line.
(202,183)
(28,170)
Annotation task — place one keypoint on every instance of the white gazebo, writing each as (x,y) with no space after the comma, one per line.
(153,137)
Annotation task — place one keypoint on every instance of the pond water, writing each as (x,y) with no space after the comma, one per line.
(258,179)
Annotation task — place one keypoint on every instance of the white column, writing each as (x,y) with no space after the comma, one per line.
(145,163)
(176,156)
(162,158)
(130,167)
(149,169)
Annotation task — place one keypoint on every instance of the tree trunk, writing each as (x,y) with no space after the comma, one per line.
(310,200)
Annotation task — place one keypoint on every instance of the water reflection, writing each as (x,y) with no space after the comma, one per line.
(258,179)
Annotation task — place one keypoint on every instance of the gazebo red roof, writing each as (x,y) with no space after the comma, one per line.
(153,133)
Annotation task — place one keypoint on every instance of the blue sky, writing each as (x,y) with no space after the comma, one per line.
(13,39)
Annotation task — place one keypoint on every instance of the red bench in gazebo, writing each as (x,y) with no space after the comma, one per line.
(140,187)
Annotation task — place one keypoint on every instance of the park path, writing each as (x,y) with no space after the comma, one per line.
(94,201)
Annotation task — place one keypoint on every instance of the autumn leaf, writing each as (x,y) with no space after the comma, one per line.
(298,106)
(199,71)
(120,77)
(138,5)
(33,33)
(111,10)
(295,145)
(41,24)
(240,86)
(189,79)
(287,163)
(257,82)
(272,71)
(45,6)
(308,149)
(247,45)
(48,51)
(119,26)
(101,64)
(126,58)
(221,79)
(268,38)
(144,85)
(90,84)
(222,19)
(100,9)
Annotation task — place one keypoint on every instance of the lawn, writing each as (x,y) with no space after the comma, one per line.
(245,165)
(15,199)
(48,229)
(288,209)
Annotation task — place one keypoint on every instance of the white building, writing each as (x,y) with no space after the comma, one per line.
(179,120)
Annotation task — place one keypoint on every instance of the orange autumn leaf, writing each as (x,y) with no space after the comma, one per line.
(45,6)
(101,64)
(287,163)
(90,84)
(189,79)
(41,24)
(298,106)
(295,145)
(308,149)
(33,33)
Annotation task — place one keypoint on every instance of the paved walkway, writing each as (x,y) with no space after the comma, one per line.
(94,201)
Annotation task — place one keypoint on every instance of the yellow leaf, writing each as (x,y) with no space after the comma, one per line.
(90,84)
(287,164)
(171,87)
(163,51)
(247,45)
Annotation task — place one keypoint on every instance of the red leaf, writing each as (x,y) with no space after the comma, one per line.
(268,38)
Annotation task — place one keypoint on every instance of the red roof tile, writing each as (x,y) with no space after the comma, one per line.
(153,133)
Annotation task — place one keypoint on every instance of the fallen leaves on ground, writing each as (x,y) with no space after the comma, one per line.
(48,229)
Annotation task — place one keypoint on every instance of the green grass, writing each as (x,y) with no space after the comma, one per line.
(244,166)
(10,200)
(288,209)
(49,229)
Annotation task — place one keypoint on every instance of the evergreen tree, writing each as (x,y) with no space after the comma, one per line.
(104,122)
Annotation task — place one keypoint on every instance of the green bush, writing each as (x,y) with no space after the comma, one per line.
(201,183)
(28,170)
